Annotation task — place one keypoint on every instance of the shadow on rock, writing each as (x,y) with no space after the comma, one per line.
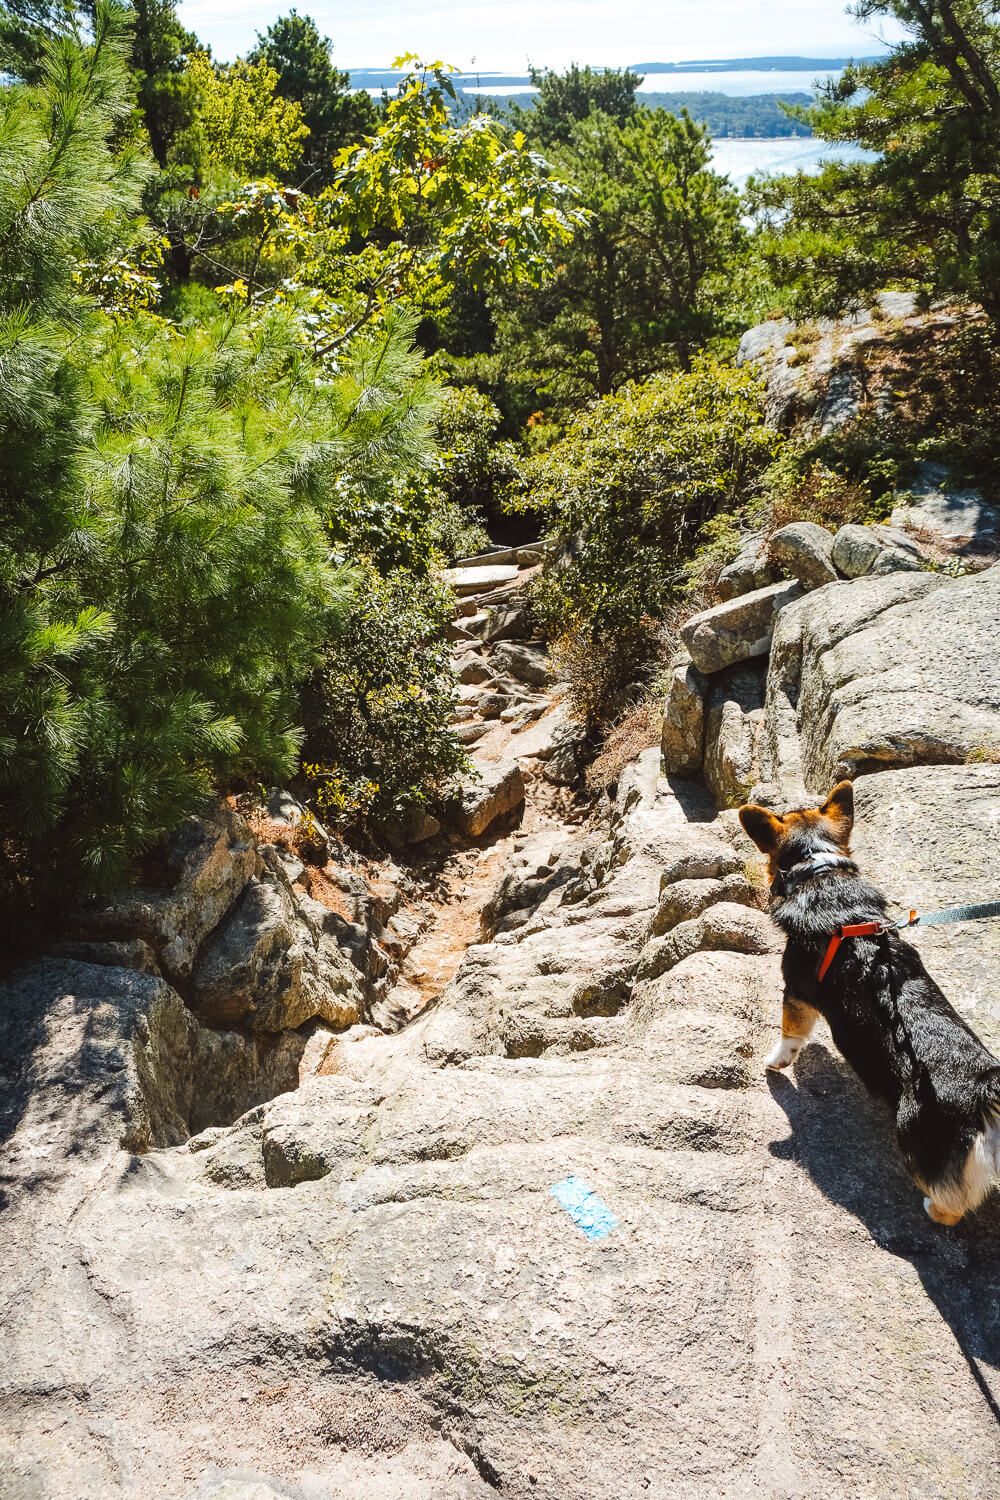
(843,1138)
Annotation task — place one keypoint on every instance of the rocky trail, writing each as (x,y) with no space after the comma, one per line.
(546,1229)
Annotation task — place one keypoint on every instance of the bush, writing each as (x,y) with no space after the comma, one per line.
(637,729)
(378,739)
(628,491)
(477,467)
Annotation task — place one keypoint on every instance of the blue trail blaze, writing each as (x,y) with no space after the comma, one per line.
(588,1212)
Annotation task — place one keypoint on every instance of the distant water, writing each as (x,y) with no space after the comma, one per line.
(741,159)
(737,84)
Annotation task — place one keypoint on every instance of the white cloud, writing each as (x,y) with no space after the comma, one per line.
(503,35)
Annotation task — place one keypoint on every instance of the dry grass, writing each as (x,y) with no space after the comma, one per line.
(637,730)
(983,755)
(302,839)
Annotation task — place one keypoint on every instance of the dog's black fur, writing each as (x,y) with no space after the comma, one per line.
(886,1014)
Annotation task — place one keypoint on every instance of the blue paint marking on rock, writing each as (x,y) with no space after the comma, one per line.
(589,1212)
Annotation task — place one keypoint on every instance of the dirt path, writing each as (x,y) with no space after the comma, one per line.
(450,912)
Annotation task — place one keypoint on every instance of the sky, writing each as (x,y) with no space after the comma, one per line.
(507,34)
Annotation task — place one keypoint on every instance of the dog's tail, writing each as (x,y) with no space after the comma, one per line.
(987,1148)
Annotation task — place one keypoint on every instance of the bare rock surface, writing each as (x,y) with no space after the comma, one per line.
(737,630)
(944,512)
(368,1286)
(883,672)
(930,837)
(816,374)
(558,1235)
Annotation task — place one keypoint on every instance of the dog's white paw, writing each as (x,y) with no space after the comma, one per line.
(785,1053)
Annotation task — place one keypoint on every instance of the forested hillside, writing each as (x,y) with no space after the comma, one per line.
(273,354)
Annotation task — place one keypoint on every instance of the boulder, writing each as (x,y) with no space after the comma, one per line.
(883,672)
(565,752)
(860,550)
(955,518)
(415,828)
(738,630)
(506,622)
(125,953)
(682,741)
(734,728)
(527,662)
(264,968)
(204,867)
(471,669)
(498,792)
(468,734)
(750,569)
(479,580)
(804,550)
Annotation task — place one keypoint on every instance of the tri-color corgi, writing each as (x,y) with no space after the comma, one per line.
(887,1016)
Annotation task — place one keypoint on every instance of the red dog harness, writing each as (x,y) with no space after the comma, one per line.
(912,919)
(850,929)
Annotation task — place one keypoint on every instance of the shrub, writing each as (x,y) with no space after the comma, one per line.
(378,738)
(477,466)
(627,492)
(636,730)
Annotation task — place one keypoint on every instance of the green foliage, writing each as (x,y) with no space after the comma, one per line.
(335,115)
(478,466)
(737,116)
(378,738)
(167,493)
(448,201)
(627,491)
(564,98)
(241,121)
(26,27)
(415,210)
(166,90)
(643,283)
(925,212)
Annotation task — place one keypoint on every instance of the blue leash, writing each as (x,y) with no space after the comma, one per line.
(950,914)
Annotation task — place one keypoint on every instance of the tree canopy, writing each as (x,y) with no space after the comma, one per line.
(639,287)
(334,114)
(923,210)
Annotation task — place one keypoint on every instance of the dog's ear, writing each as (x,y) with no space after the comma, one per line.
(840,804)
(765,828)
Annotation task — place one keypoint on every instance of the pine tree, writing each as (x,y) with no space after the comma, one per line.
(336,115)
(167,492)
(60,189)
(922,208)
